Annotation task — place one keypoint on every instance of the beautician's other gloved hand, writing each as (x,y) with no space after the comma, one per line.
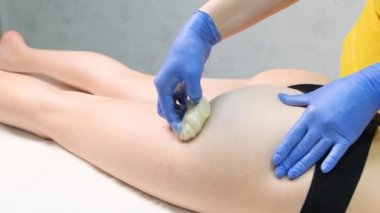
(335,117)
(178,80)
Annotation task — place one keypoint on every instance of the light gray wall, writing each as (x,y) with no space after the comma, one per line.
(139,32)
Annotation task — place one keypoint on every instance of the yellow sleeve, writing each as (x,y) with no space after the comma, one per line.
(361,47)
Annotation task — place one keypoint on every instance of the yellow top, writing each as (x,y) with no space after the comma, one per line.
(361,47)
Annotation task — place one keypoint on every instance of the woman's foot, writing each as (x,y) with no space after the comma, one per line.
(12,47)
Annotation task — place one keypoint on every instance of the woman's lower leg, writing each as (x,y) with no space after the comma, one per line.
(91,72)
(26,102)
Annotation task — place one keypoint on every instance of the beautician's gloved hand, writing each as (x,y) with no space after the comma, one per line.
(178,80)
(335,117)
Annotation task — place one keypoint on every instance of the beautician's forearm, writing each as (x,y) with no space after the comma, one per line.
(233,16)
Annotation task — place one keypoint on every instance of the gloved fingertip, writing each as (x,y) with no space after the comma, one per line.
(195,99)
(176,127)
(279,172)
(282,95)
(326,167)
(277,159)
(284,98)
(294,100)
(159,111)
(194,90)
(293,173)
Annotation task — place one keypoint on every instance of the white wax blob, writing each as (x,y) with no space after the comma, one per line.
(194,119)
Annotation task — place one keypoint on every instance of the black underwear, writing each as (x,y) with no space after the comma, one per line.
(332,192)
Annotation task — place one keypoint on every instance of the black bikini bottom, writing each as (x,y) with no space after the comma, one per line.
(332,192)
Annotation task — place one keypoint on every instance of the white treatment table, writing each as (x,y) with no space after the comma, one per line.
(40,176)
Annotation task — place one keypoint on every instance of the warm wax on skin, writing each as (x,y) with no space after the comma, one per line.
(194,119)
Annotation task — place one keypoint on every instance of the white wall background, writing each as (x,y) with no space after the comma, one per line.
(308,35)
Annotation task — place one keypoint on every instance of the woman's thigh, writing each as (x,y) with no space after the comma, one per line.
(227,167)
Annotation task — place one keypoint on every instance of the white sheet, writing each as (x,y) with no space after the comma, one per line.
(39,176)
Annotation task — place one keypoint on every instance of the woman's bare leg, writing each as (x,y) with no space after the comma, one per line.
(88,71)
(101,75)
(110,135)
(113,137)
(23,102)
(91,72)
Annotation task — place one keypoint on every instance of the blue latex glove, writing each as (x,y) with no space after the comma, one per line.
(178,80)
(335,117)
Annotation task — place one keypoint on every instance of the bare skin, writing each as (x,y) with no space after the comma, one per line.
(114,126)
(233,16)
